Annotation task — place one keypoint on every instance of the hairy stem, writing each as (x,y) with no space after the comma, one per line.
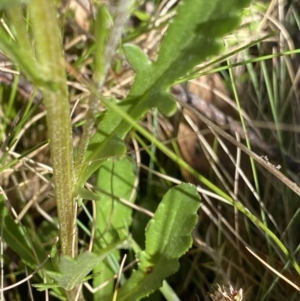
(50,58)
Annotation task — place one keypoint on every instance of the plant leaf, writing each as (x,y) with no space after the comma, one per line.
(193,35)
(169,231)
(101,148)
(137,59)
(168,237)
(27,64)
(104,145)
(13,234)
(88,195)
(113,219)
(73,271)
(115,179)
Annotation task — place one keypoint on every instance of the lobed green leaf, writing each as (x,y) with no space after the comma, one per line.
(194,34)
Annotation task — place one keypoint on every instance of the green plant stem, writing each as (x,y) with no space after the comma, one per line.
(86,134)
(107,39)
(49,55)
(101,33)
